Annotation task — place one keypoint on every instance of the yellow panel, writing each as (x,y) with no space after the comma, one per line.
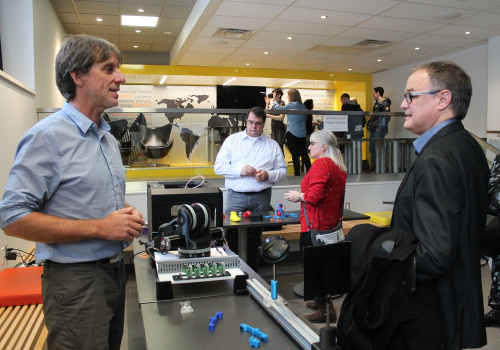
(381,217)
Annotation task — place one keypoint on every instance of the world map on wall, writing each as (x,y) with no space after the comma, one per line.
(189,138)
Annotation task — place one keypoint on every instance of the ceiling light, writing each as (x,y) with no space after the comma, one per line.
(379,60)
(417,48)
(163,79)
(324,17)
(349,69)
(135,46)
(168,33)
(293,82)
(140,10)
(247,64)
(230,80)
(467,33)
(266,53)
(98,19)
(137,31)
(289,38)
(139,21)
(448,15)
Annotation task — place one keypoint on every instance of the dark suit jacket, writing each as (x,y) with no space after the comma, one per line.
(443,200)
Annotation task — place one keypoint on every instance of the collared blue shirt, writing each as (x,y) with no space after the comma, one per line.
(260,152)
(67,166)
(426,136)
(295,123)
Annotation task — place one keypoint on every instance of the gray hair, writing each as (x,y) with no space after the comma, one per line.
(327,138)
(77,54)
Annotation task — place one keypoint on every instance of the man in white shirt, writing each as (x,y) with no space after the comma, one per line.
(252,163)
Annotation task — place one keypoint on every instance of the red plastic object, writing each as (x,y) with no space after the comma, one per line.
(21,286)
(247,214)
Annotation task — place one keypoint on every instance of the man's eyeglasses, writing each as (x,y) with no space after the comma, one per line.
(251,122)
(409,95)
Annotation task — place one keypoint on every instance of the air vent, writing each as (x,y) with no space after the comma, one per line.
(231,33)
(371,44)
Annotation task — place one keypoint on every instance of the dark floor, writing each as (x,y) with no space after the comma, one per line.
(289,273)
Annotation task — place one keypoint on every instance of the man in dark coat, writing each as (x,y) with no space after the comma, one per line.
(442,201)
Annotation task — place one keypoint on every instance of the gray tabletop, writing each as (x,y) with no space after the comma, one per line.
(166,327)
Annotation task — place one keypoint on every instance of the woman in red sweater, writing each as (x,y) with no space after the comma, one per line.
(322,189)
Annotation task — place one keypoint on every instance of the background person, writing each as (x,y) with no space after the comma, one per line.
(66,191)
(252,164)
(378,126)
(442,201)
(278,127)
(296,130)
(322,189)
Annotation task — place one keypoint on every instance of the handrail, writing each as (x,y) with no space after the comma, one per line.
(485,144)
(232,111)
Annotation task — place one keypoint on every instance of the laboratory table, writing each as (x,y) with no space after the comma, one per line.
(167,328)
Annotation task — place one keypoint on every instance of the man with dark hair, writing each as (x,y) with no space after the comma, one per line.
(378,126)
(66,191)
(355,132)
(252,163)
(442,201)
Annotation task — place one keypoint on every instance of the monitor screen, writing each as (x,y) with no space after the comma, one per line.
(240,97)
(327,270)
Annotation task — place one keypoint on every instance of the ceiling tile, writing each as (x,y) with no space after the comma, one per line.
(376,34)
(371,7)
(438,40)
(423,12)
(244,9)
(304,28)
(97,7)
(237,22)
(299,14)
(399,24)
(132,10)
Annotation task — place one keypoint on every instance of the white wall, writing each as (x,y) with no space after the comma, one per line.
(48,36)
(474,61)
(494,84)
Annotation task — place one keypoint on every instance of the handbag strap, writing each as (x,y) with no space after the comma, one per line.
(309,226)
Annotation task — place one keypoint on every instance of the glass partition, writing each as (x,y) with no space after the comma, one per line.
(175,142)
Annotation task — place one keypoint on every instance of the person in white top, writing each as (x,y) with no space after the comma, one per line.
(252,163)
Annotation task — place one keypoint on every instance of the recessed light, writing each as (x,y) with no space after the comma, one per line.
(324,17)
(139,21)
(379,60)
(140,10)
(98,19)
(448,15)
(467,33)
(135,46)
(137,31)
(289,38)
(266,53)
(349,69)
(168,33)
(417,48)
(247,64)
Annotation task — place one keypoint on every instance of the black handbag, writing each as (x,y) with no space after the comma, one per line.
(323,237)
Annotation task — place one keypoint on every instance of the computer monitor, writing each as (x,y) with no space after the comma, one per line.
(327,270)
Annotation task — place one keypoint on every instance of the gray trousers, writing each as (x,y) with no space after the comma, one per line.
(242,202)
(84,305)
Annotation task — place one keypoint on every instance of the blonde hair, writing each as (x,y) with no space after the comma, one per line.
(327,138)
(294,95)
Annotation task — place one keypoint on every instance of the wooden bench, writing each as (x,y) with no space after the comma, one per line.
(23,327)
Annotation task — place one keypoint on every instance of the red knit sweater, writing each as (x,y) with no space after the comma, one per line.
(323,187)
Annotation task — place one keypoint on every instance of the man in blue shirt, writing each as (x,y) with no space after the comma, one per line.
(66,191)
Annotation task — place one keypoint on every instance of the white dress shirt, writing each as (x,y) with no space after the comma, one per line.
(260,152)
